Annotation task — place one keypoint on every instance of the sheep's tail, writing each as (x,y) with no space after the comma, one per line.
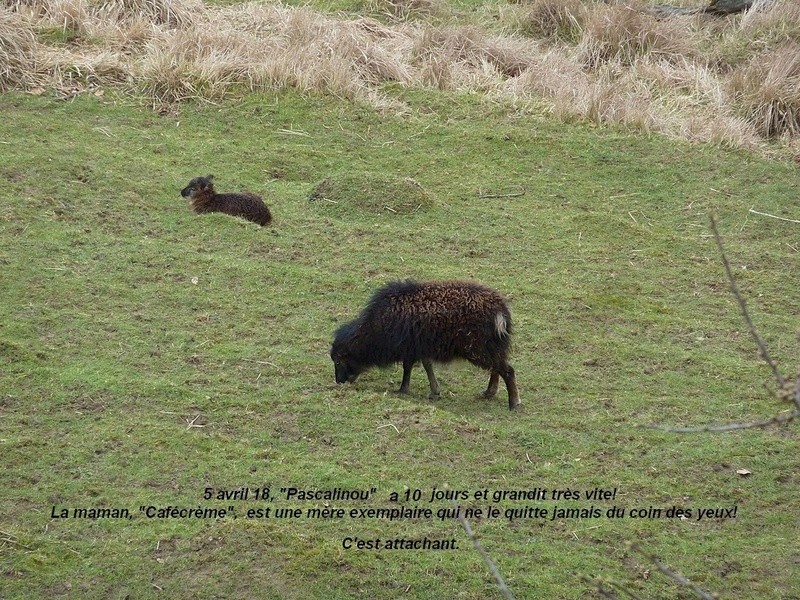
(501,325)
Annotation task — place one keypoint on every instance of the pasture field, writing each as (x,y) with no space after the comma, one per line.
(150,357)
(149,353)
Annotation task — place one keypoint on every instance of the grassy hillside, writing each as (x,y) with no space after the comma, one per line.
(147,353)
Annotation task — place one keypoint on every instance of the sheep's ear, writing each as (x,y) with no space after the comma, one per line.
(210,178)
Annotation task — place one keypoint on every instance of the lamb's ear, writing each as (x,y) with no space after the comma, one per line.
(210,178)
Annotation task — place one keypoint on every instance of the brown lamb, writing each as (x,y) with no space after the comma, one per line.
(427,322)
(244,204)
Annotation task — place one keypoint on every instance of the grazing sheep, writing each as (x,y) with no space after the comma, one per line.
(204,200)
(409,322)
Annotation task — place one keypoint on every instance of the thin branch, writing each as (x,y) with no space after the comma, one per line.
(600,587)
(784,390)
(501,584)
(674,575)
(293,132)
(796,398)
(762,347)
(777,419)
(260,362)
(624,590)
(11,540)
(192,423)
(603,588)
(763,214)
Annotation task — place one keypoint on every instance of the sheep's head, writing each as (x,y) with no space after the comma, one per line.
(198,185)
(346,369)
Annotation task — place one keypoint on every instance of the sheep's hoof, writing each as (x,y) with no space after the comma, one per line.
(402,391)
(514,405)
(434,396)
(486,394)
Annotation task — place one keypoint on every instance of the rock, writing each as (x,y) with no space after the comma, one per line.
(728,7)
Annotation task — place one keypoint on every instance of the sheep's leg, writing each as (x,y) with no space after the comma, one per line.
(507,373)
(491,389)
(407,366)
(431,379)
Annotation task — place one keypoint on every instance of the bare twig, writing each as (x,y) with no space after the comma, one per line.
(777,419)
(796,398)
(192,423)
(606,588)
(785,390)
(260,362)
(763,214)
(293,132)
(625,590)
(501,584)
(672,574)
(11,540)
(521,192)
(762,347)
(600,587)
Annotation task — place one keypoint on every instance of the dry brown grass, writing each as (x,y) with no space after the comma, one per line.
(779,16)
(622,34)
(472,53)
(408,9)
(19,52)
(731,81)
(558,20)
(768,88)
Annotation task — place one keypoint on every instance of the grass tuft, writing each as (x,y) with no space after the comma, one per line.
(410,9)
(623,35)
(768,89)
(554,20)
(366,192)
(19,52)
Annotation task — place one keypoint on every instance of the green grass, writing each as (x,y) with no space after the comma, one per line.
(147,353)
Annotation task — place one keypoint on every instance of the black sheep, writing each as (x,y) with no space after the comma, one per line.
(409,322)
(204,200)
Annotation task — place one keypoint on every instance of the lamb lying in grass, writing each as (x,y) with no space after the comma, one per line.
(245,204)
